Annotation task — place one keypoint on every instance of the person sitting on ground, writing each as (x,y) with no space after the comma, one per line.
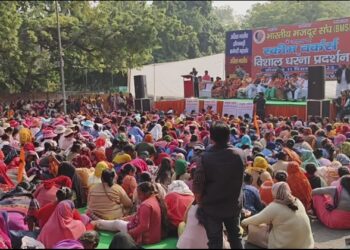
(150,223)
(315,181)
(265,190)
(61,225)
(332,204)
(108,200)
(129,183)
(259,171)
(165,173)
(288,218)
(282,162)
(319,156)
(299,184)
(251,196)
(341,172)
(181,170)
(177,200)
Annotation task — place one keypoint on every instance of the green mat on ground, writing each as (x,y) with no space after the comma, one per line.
(106,238)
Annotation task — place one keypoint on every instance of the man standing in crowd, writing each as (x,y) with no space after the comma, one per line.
(343,79)
(260,101)
(221,168)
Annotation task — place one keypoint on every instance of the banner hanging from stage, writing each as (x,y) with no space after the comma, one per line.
(294,47)
(191,104)
(237,108)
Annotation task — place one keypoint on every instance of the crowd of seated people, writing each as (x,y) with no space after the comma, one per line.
(137,173)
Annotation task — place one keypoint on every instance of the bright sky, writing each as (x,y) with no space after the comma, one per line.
(239,7)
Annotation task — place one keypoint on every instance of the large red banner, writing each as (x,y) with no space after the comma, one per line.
(295,47)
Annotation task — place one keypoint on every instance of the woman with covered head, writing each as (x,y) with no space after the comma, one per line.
(288,218)
(96,177)
(308,157)
(46,191)
(61,225)
(332,204)
(180,170)
(178,199)
(299,184)
(259,171)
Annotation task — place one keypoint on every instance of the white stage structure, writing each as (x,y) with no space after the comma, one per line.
(164,79)
(167,76)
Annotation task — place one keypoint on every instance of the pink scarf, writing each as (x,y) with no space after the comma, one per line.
(61,225)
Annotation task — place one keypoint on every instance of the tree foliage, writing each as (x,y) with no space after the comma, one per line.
(274,13)
(101,40)
(204,34)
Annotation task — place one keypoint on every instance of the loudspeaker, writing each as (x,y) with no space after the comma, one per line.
(140,86)
(318,108)
(143,104)
(316,83)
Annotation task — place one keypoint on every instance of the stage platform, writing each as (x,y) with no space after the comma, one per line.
(274,107)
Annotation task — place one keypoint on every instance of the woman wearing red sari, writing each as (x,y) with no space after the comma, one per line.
(299,184)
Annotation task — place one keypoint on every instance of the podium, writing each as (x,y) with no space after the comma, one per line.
(188,86)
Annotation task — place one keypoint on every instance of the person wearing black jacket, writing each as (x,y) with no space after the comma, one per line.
(217,186)
(343,79)
(260,101)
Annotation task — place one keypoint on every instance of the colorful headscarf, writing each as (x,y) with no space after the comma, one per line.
(307,157)
(68,244)
(343,159)
(121,158)
(260,164)
(82,161)
(299,184)
(339,140)
(61,225)
(345,148)
(179,187)
(102,165)
(180,167)
(7,181)
(99,155)
(282,194)
(60,181)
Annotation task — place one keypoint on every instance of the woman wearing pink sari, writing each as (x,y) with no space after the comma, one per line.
(61,225)
(332,204)
(5,241)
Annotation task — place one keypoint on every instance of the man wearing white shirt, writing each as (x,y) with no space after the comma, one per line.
(302,87)
(343,79)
